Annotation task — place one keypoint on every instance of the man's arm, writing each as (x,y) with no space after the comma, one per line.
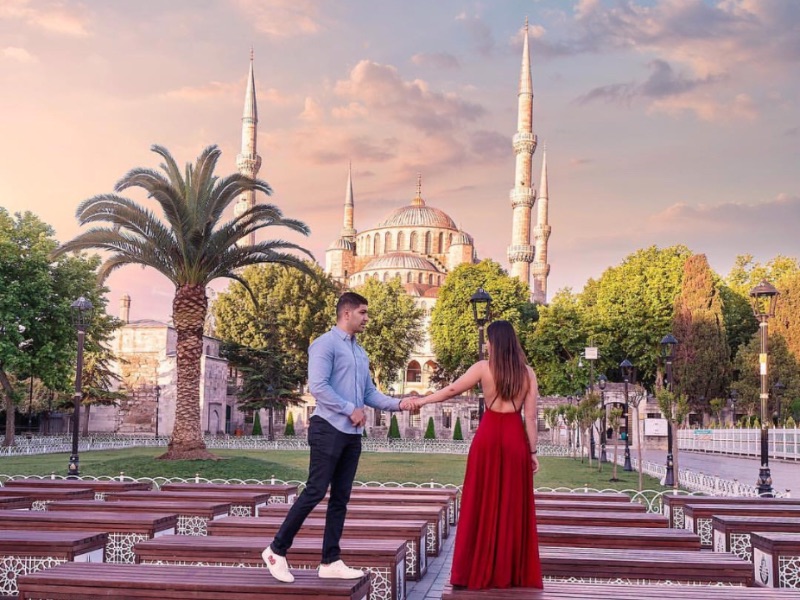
(320,370)
(373,398)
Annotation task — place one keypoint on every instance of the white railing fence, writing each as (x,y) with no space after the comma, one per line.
(783,443)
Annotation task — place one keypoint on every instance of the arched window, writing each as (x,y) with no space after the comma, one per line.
(419,279)
(413,372)
(412,241)
(450,241)
(376,245)
(367,244)
(387,242)
(397,276)
(439,282)
(430,279)
(428,248)
(400,241)
(385,277)
(410,277)
(441,242)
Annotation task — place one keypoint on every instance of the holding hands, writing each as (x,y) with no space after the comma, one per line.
(411,403)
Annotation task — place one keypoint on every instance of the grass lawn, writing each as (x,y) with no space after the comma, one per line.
(293,465)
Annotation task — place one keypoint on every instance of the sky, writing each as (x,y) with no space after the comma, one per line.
(666,121)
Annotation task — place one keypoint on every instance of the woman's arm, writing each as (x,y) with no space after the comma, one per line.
(532,417)
(467,381)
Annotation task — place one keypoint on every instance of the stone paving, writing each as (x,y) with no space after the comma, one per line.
(438,575)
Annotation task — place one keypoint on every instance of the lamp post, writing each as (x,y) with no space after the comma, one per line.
(158,397)
(601,383)
(777,389)
(668,343)
(734,396)
(627,371)
(482,312)
(82,310)
(764,297)
(590,354)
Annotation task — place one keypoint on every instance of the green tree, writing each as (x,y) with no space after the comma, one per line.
(289,429)
(701,365)
(300,305)
(192,246)
(453,331)
(740,323)
(394,429)
(394,329)
(457,434)
(781,366)
(747,273)
(787,312)
(430,431)
(630,308)
(257,424)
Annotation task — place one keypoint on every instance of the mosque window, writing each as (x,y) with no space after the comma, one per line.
(387,242)
(428,248)
(450,241)
(376,246)
(385,277)
(439,280)
(430,279)
(413,372)
(412,241)
(400,240)
(397,275)
(367,244)
(419,279)
(410,277)
(441,242)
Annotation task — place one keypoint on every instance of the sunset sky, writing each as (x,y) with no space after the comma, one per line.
(666,121)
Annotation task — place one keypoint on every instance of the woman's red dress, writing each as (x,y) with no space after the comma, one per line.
(496,541)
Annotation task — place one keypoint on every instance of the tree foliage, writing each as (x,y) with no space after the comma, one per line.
(430,430)
(457,434)
(453,330)
(394,329)
(394,429)
(781,366)
(289,429)
(787,313)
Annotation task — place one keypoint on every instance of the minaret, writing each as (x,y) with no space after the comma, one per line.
(541,233)
(523,196)
(348,229)
(248,161)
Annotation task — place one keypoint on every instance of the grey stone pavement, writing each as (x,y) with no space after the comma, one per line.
(432,585)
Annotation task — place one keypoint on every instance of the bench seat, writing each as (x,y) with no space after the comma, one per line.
(16,503)
(453,494)
(732,532)
(384,559)
(42,495)
(265,528)
(618,537)
(600,518)
(100,487)
(581,591)
(697,517)
(149,582)
(592,496)
(24,551)
(639,565)
(193,516)
(674,504)
(776,559)
(243,503)
(278,492)
(590,505)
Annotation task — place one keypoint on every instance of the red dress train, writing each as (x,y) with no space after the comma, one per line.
(496,541)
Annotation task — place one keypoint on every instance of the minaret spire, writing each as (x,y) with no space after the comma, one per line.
(248,162)
(523,195)
(348,230)
(541,235)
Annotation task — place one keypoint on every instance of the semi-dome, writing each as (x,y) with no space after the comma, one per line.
(342,244)
(418,216)
(400,260)
(462,237)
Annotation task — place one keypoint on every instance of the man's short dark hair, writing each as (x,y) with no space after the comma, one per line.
(349,301)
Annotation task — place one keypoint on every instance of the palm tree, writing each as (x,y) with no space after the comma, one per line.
(191,246)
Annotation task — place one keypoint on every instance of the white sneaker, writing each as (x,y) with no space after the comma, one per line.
(277,565)
(339,570)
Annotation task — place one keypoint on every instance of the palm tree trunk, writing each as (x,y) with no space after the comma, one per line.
(189,310)
(10,414)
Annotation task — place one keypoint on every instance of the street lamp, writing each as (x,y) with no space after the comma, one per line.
(590,353)
(627,371)
(81,310)
(763,298)
(777,389)
(482,312)
(601,383)
(668,343)
(158,397)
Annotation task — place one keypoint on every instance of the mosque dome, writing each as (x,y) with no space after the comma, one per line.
(342,244)
(463,238)
(418,216)
(400,260)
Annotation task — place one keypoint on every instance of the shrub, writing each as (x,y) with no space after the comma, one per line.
(289,425)
(257,424)
(790,423)
(430,432)
(457,435)
(394,429)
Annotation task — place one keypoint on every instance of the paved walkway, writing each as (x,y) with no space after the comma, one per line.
(432,585)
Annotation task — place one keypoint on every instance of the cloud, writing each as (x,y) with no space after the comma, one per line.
(18,55)
(56,17)
(480,33)
(579,162)
(282,18)
(380,88)
(340,148)
(311,110)
(199,93)
(707,108)
(490,146)
(436,60)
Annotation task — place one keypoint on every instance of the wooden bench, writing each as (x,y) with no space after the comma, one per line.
(42,495)
(384,559)
(278,492)
(697,517)
(600,519)
(193,516)
(100,487)
(731,533)
(605,591)
(407,499)
(453,494)
(433,515)
(148,582)
(587,565)
(776,559)
(576,496)
(413,532)
(618,537)
(243,503)
(25,551)
(16,503)
(590,505)
(673,504)
(123,530)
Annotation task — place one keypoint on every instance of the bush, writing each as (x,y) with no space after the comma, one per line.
(457,435)
(394,429)
(790,423)
(257,424)
(289,425)
(430,432)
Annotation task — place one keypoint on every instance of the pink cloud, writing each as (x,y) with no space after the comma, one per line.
(282,18)
(56,17)
(18,54)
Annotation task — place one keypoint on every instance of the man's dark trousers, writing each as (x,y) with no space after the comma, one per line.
(334,461)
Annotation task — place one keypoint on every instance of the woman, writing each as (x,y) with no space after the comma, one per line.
(496,541)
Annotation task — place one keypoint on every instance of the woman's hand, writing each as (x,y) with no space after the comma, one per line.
(535,461)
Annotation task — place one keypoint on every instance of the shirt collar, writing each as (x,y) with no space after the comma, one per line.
(342,334)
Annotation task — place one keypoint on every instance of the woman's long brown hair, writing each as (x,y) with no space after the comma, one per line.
(507,361)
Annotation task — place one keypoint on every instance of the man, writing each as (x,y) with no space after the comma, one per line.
(339,380)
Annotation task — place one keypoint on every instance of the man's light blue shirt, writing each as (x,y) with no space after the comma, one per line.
(339,380)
